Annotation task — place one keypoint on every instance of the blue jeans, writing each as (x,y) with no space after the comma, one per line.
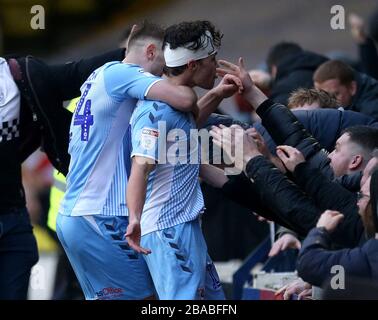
(18,253)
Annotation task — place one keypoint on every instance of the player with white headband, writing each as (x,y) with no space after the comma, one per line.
(182,55)
(169,194)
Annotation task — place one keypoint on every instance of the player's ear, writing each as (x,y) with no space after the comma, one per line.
(151,51)
(192,65)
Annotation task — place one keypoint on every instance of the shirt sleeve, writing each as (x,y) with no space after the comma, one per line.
(124,80)
(149,127)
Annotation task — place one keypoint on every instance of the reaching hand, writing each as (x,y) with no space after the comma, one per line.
(260,142)
(250,91)
(299,287)
(238,71)
(290,157)
(133,235)
(287,241)
(229,138)
(330,220)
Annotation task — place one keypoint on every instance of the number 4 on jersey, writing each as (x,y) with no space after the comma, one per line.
(84,120)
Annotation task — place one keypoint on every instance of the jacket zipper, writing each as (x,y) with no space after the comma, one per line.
(35,118)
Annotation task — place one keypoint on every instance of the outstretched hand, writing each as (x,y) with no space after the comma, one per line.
(229,138)
(260,142)
(250,91)
(238,71)
(287,241)
(299,287)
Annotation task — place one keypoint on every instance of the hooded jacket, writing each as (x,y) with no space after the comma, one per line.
(366,98)
(293,72)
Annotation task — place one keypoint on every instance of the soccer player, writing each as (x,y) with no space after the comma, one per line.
(93,218)
(164,185)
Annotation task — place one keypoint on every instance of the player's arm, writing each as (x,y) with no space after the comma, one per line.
(122,82)
(135,198)
(179,97)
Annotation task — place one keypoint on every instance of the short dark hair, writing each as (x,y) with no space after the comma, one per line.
(185,33)
(364,136)
(334,69)
(280,51)
(146,30)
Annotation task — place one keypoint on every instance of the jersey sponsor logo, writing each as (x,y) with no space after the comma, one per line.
(109,292)
(151,132)
(149,138)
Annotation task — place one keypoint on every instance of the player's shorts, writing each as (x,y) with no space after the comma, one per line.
(106,267)
(179,264)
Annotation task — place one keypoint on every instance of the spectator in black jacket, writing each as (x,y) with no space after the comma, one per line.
(354,91)
(288,205)
(291,68)
(354,145)
(32,115)
(316,260)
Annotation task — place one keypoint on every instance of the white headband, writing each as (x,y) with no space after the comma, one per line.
(181,55)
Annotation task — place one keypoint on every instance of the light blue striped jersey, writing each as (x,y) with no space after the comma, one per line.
(173,193)
(100,140)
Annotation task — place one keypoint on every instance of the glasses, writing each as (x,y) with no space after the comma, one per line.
(360,195)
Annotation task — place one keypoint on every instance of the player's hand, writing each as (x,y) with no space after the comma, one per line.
(228,86)
(133,235)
